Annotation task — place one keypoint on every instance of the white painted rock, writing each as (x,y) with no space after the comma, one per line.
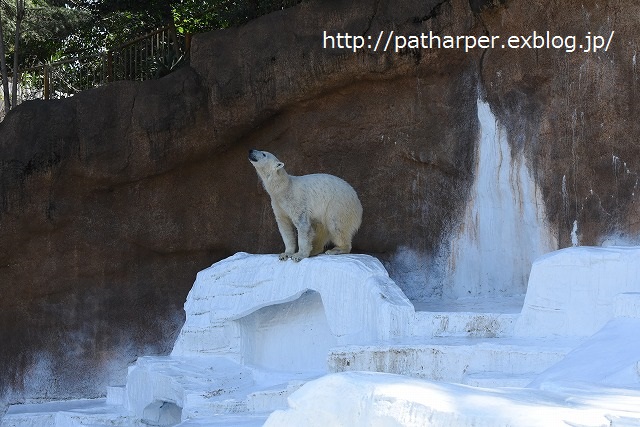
(285,315)
(575,291)
(363,399)
(611,358)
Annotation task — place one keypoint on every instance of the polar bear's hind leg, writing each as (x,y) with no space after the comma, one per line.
(340,238)
(342,247)
(320,239)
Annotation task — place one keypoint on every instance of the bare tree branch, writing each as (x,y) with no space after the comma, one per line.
(16,50)
(3,69)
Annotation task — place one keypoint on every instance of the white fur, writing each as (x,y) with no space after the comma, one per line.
(317,208)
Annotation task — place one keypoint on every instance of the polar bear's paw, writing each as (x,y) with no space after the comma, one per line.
(284,256)
(297,257)
(337,251)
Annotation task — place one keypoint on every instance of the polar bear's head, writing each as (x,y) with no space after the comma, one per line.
(267,165)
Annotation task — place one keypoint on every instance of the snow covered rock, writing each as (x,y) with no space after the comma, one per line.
(610,357)
(575,291)
(164,390)
(363,399)
(258,310)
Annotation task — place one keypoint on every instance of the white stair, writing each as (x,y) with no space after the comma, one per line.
(169,391)
(268,400)
(85,412)
(498,379)
(454,359)
(467,317)
(466,341)
(237,359)
(469,344)
(466,324)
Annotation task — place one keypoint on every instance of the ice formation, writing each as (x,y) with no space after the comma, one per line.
(504,227)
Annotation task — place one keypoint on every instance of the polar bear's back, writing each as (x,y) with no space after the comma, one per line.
(329,199)
(325,187)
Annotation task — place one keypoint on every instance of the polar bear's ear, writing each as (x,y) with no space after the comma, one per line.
(279,165)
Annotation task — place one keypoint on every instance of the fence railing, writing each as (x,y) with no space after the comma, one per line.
(147,57)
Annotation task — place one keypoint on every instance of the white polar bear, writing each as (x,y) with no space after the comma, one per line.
(321,208)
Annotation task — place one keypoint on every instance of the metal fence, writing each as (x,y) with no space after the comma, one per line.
(61,79)
(148,57)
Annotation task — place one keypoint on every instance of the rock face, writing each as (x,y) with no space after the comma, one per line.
(112,200)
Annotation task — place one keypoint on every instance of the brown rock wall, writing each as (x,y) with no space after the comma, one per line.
(573,112)
(111,201)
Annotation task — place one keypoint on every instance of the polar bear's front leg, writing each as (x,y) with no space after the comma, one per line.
(305,239)
(288,233)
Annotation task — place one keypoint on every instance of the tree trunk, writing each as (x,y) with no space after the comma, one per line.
(16,63)
(166,12)
(3,69)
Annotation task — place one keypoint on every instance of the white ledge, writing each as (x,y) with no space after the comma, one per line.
(236,300)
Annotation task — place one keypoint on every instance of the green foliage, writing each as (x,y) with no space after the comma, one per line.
(54,29)
(188,16)
(239,12)
(45,29)
(191,17)
(205,19)
(60,31)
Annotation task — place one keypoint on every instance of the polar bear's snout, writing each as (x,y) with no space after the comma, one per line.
(254,155)
(265,161)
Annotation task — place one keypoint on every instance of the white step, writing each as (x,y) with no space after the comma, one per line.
(464,324)
(451,359)
(116,395)
(467,317)
(31,419)
(202,405)
(105,416)
(252,410)
(498,379)
(511,304)
(245,420)
(182,388)
(270,399)
(71,413)
(172,391)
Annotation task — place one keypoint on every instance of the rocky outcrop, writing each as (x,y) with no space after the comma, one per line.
(247,308)
(112,200)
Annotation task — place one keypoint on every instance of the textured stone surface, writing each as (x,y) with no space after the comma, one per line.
(95,256)
(111,201)
(226,308)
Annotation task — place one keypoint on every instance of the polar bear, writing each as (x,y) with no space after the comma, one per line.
(321,208)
